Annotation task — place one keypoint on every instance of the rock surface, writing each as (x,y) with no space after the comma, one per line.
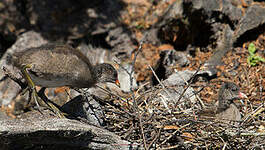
(38,132)
(224,22)
(85,108)
(124,77)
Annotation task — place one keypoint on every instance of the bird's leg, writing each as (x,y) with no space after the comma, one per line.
(52,106)
(32,88)
(36,99)
(34,94)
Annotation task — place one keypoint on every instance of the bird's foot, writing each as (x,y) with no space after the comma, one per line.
(40,100)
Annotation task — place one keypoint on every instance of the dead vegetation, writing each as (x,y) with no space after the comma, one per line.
(180,127)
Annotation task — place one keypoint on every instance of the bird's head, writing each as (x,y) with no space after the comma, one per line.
(106,73)
(228,93)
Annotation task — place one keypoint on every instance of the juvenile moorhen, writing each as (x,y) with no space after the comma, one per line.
(225,108)
(55,65)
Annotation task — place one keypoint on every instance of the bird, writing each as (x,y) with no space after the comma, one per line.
(225,109)
(56,65)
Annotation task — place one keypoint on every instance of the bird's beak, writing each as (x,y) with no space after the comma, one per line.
(117,82)
(242,95)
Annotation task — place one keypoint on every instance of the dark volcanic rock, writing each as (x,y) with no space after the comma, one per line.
(13,21)
(93,22)
(211,23)
(168,60)
(254,19)
(121,40)
(72,19)
(86,109)
(38,132)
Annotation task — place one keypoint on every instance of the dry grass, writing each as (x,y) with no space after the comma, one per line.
(177,126)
